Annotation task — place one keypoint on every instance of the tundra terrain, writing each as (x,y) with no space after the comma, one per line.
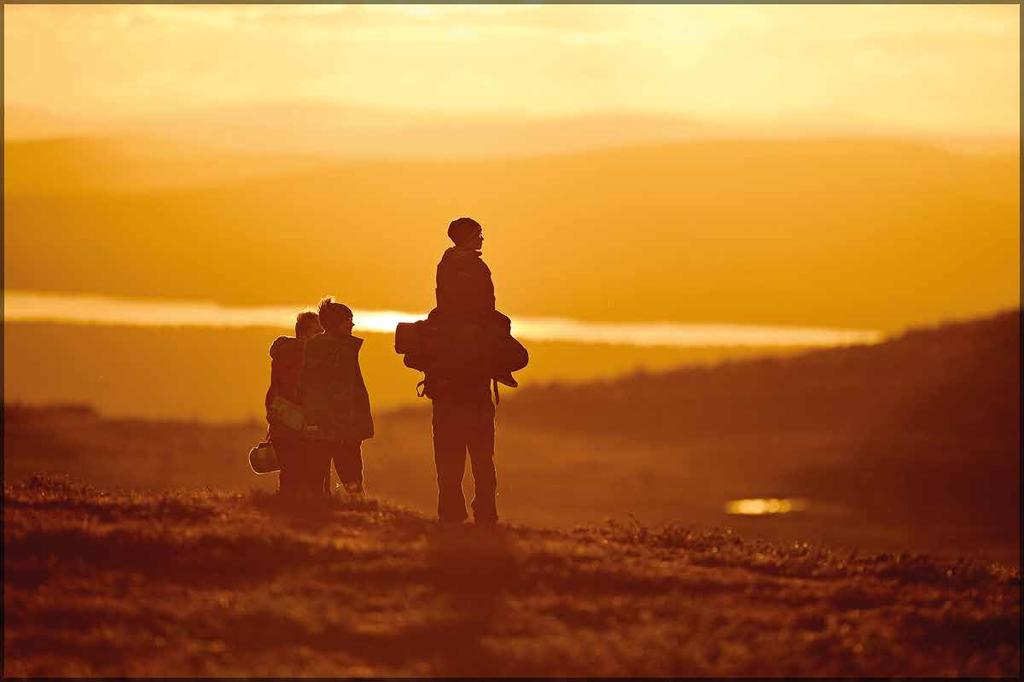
(201,582)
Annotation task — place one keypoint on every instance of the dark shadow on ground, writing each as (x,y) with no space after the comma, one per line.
(472,568)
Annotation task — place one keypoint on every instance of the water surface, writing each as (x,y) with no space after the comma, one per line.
(25,306)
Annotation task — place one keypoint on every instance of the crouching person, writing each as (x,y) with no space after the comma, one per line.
(282,401)
(335,402)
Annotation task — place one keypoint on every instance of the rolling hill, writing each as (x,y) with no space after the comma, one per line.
(81,166)
(924,428)
(910,444)
(324,129)
(871,233)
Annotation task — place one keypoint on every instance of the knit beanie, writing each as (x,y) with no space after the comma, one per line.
(461,229)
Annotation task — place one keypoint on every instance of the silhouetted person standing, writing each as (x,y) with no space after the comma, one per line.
(285,367)
(335,402)
(464,290)
(463,413)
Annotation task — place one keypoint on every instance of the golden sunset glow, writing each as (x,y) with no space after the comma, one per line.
(692,181)
(529,340)
(918,69)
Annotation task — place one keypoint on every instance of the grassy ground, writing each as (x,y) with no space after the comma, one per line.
(210,583)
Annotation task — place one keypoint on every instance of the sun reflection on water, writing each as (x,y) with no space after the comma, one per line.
(761,506)
(27,306)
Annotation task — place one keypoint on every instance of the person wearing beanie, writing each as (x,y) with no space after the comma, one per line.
(465,291)
(463,413)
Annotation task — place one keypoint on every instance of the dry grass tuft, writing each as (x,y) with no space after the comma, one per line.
(199,582)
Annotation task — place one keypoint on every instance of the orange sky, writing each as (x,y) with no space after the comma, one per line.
(827,228)
(928,69)
(633,166)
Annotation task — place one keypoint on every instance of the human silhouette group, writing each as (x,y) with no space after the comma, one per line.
(318,406)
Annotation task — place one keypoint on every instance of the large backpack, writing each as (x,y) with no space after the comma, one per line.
(444,347)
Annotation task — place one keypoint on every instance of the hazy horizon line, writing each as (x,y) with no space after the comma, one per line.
(798,125)
(95,309)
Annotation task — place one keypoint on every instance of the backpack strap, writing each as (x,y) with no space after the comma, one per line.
(494,386)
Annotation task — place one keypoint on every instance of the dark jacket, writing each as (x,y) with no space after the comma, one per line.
(465,290)
(331,390)
(285,368)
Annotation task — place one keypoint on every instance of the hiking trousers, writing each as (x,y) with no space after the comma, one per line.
(289,451)
(310,468)
(460,426)
(348,462)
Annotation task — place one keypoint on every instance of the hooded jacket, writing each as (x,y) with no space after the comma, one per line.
(334,399)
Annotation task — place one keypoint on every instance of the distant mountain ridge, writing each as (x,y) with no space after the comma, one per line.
(838,232)
(339,131)
(121,164)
